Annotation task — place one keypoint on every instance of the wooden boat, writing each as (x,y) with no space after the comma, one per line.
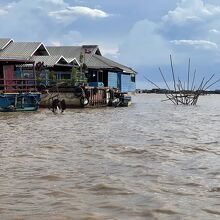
(17,89)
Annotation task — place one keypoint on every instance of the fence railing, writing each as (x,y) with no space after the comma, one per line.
(17,85)
(97,97)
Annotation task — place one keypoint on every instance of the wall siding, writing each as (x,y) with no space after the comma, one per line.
(126,84)
(112,80)
(121,81)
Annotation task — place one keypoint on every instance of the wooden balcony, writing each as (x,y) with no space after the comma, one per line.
(17,85)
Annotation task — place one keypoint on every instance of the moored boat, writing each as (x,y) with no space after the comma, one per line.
(19,102)
(120,99)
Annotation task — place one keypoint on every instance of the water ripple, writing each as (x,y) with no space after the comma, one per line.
(152,160)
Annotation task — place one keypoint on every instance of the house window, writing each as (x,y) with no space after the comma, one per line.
(65,76)
(132,77)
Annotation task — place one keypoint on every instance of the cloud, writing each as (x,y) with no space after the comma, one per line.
(191,11)
(214,31)
(192,29)
(73,13)
(70,38)
(5,9)
(34,19)
(144,45)
(203,44)
(55,43)
(26,20)
(3,12)
(189,30)
(59,2)
(79,2)
(109,50)
(182,32)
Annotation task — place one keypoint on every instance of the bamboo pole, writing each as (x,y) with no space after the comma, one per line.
(185,94)
(152,82)
(194,75)
(174,81)
(188,75)
(166,82)
(212,84)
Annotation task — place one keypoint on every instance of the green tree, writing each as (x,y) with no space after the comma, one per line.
(52,76)
(81,58)
(75,76)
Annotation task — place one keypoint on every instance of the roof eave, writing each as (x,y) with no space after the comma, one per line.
(40,44)
(61,57)
(75,60)
(64,65)
(10,41)
(17,61)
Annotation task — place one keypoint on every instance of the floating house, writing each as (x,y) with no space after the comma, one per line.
(15,56)
(99,70)
(59,60)
(22,51)
(17,91)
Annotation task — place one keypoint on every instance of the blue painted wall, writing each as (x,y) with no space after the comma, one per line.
(112,80)
(18,72)
(126,84)
(122,81)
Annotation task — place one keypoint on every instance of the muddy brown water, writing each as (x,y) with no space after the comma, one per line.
(152,160)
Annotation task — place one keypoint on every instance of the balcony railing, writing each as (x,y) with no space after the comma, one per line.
(17,85)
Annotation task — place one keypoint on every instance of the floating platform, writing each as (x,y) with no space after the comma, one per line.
(78,97)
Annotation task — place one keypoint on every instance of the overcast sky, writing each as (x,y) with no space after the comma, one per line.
(138,33)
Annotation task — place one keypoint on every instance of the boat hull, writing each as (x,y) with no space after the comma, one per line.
(14,102)
(125,101)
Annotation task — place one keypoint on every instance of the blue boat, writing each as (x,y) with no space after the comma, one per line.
(10,102)
(18,85)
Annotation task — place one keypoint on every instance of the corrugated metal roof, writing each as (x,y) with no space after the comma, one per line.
(4,42)
(97,62)
(73,51)
(15,59)
(58,54)
(50,60)
(73,60)
(91,59)
(25,49)
(66,51)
